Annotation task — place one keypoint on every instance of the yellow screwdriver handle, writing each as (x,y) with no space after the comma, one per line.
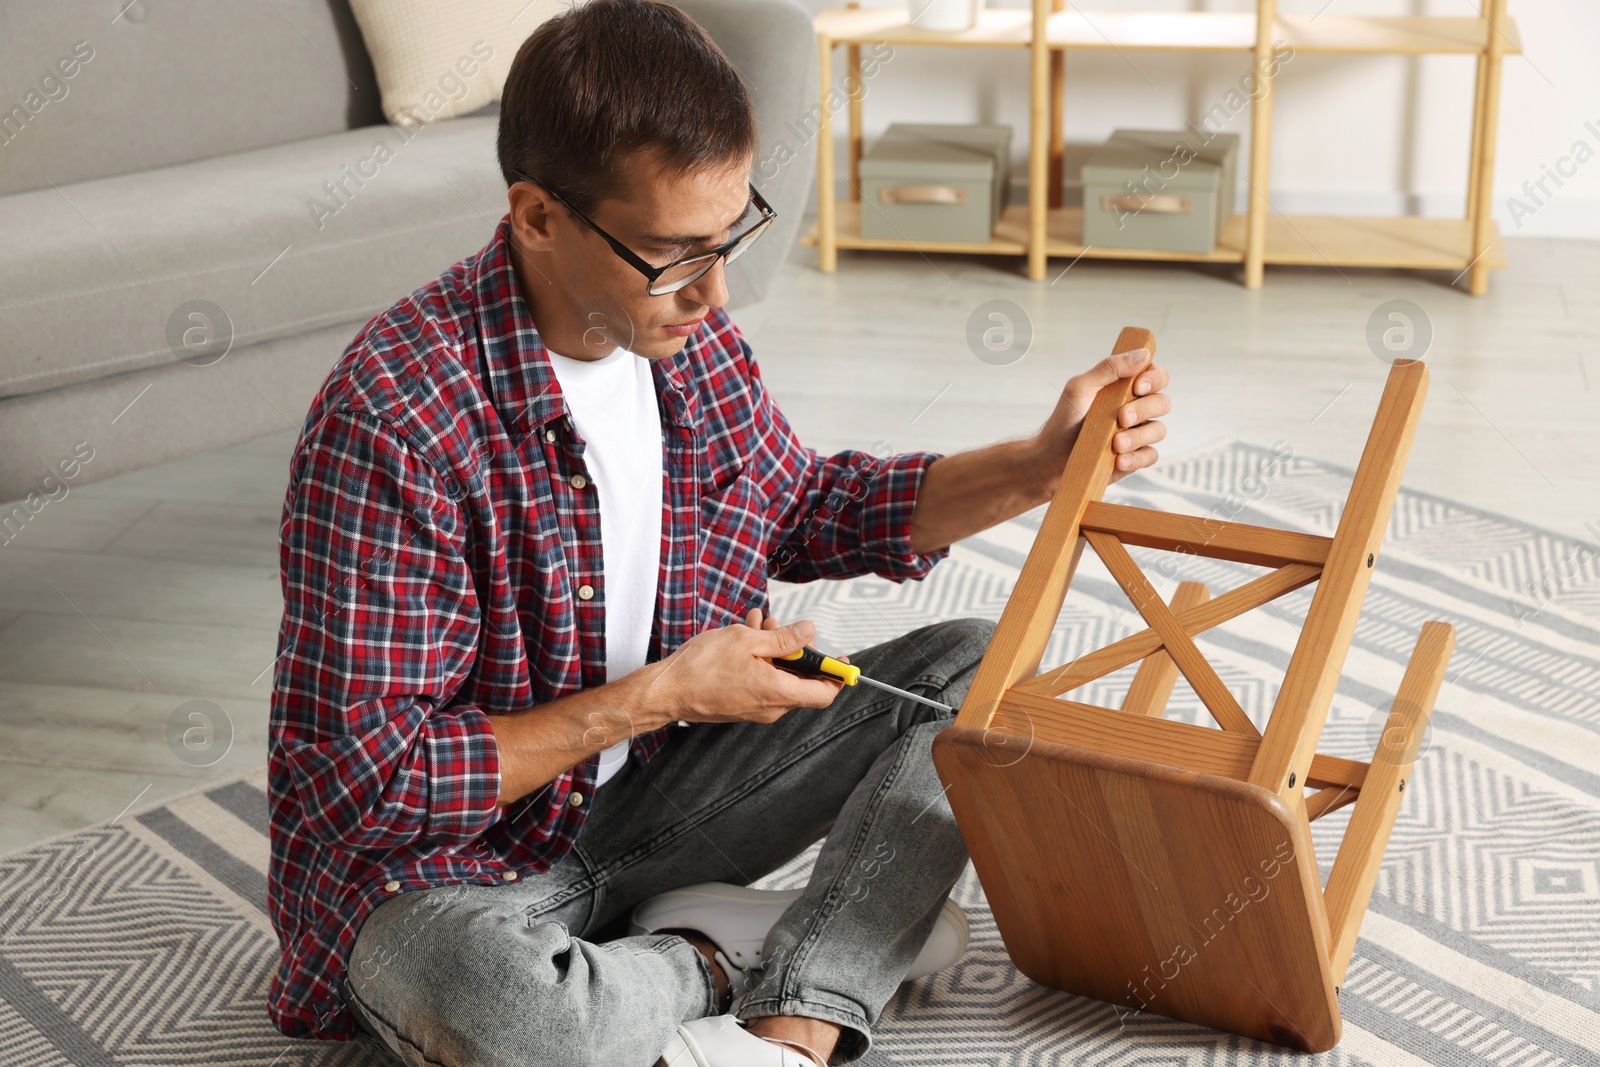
(809,662)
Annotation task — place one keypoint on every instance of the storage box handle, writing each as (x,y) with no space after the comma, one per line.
(1166,204)
(922,194)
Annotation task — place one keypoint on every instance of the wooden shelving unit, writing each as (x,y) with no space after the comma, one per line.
(1259,236)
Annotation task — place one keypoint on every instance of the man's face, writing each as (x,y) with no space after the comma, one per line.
(586,299)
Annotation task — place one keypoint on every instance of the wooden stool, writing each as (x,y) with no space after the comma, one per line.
(1160,865)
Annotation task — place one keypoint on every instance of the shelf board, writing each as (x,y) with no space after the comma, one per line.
(1005,242)
(1310,240)
(1064,237)
(997,27)
(1396,35)
(1355,241)
(1184,31)
(1178,31)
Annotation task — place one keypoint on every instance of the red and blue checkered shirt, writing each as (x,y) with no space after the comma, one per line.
(441,563)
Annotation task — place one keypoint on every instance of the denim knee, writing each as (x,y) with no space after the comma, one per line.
(955,648)
(972,637)
(489,1000)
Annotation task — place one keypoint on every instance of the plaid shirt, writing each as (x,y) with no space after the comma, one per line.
(440,555)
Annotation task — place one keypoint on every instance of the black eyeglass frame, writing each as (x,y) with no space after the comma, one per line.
(710,255)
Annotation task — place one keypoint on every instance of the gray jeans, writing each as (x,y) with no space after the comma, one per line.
(537,972)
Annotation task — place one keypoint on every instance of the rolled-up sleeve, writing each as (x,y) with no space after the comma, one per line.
(380,629)
(835,516)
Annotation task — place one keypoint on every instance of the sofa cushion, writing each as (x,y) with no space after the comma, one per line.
(92,88)
(436,61)
(101,277)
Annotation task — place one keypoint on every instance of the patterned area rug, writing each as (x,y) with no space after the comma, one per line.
(147,942)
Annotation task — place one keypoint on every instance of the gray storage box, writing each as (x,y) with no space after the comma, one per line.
(935,182)
(1169,191)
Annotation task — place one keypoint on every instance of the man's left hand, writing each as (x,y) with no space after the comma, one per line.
(1139,420)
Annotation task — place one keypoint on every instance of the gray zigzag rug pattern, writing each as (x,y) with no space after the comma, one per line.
(146,942)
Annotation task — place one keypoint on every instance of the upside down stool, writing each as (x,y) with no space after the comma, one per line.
(1160,865)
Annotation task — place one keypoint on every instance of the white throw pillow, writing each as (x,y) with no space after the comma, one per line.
(439,60)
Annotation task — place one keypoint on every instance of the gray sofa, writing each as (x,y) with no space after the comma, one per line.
(160,167)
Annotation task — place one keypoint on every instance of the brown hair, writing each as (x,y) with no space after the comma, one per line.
(607,78)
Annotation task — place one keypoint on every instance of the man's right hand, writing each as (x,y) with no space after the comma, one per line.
(717,676)
(725,675)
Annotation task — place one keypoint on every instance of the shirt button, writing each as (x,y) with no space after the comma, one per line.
(579,481)
(575,799)
(511,876)
(585,591)
(549,435)
(391,886)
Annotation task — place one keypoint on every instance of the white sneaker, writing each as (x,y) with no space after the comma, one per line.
(722,1041)
(736,920)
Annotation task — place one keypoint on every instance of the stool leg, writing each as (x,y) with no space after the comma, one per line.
(1355,868)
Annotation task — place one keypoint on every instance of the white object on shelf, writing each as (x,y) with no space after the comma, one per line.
(943,14)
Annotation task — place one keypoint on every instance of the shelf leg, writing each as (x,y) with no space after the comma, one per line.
(1477,141)
(1255,244)
(1058,109)
(1038,135)
(827,231)
(852,84)
(1483,214)
(1058,140)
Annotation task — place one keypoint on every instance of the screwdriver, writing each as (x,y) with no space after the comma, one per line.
(808,662)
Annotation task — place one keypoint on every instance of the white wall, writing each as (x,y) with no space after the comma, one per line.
(1352,134)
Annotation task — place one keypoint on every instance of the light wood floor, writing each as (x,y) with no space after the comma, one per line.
(134,595)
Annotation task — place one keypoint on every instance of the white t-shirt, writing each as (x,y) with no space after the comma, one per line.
(613,405)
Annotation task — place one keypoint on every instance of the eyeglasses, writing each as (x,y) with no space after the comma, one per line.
(688,269)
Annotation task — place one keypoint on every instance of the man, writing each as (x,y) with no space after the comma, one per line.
(528,745)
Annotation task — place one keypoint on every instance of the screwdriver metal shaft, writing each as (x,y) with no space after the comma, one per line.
(887,688)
